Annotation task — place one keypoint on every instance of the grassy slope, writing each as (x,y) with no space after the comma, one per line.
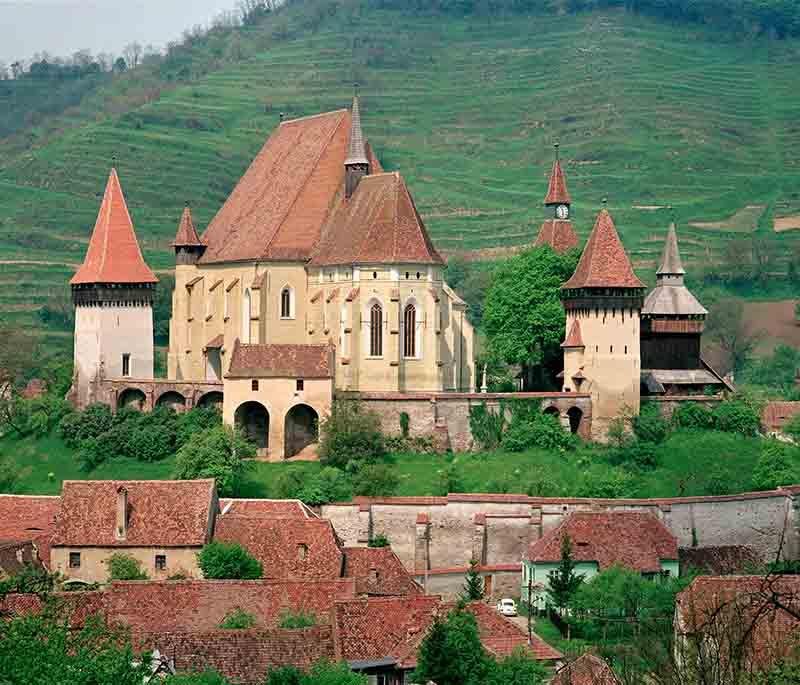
(685,459)
(647,112)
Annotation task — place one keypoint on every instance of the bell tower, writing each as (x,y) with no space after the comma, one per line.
(113,292)
(557,232)
(356,165)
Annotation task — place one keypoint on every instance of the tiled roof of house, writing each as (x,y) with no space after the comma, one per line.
(587,669)
(378,571)
(720,560)
(281,361)
(187,233)
(635,540)
(288,548)
(113,255)
(160,513)
(378,224)
(558,234)
(604,262)
(501,636)
(777,413)
(278,508)
(25,517)
(557,193)
(574,338)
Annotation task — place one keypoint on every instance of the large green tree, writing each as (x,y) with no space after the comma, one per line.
(218,453)
(563,581)
(523,317)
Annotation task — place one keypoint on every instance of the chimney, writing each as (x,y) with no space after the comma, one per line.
(122,513)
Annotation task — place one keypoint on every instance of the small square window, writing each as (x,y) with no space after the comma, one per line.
(126,364)
(161,562)
(254,385)
(300,385)
(74,559)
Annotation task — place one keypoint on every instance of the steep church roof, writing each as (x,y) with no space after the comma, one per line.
(557,234)
(557,193)
(356,150)
(671,257)
(113,255)
(604,262)
(187,233)
(671,297)
(378,224)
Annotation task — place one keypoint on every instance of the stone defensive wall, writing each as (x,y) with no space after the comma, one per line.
(147,394)
(440,535)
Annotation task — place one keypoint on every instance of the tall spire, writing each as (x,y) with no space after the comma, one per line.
(187,233)
(356,151)
(113,255)
(671,258)
(557,193)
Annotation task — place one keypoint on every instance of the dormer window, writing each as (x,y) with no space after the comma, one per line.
(302,551)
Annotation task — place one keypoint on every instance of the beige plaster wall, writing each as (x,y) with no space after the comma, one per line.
(94,561)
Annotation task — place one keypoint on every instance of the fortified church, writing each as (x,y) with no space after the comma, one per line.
(317,278)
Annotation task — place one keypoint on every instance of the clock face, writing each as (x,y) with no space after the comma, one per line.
(562,212)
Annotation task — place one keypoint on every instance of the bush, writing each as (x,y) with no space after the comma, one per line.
(321,673)
(224,560)
(639,454)
(449,480)
(486,426)
(9,475)
(737,416)
(329,485)
(717,482)
(777,465)
(649,425)
(207,677)
(693,415)
(379,540)
(31,579)
(375,480)
(350,433)
(125,567)
(92,422)
(536,430)
(605,483)
(237,619)
(290,483)
(152,443)
(297,620)
(217,453)
(196,421)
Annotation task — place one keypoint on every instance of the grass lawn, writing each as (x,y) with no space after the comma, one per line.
(690,464)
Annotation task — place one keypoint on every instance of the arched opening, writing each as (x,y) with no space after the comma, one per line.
(553,411)
(301,429)
(252,418)
(287,303)
(211,399)
(172,400)
(132,398)
(575,415)
(376,330)
(410,331)
(246,317)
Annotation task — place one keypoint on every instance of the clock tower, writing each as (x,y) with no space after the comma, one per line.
(557,231)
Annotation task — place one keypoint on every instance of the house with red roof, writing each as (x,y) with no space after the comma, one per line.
(26,526)
(600,540)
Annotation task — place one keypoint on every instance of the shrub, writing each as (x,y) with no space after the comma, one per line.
(375,480)
(536,430)
(92,422)
(449,480)
(9,475)
(290,483)
(237,619)
(649,425)
(379,540)
(195,421)
(217,453)
(693,415)
(636,453)
(152,443)
(329,485)
(296,620)
(207,677)
(777,465)
(350,433)
(30,579)
(124,567)
(405,423)
(228,560)
(486,426)
(717,482)
(737,416)
(605,483)
(543,486)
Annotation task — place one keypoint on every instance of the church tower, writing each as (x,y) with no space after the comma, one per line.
(557,232)
(603,301)
(113,293)
(356,165)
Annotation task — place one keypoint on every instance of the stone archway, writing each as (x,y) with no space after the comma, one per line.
(172,400)
(132,398)
(252,418)
(301,429)
(575,416)
(211,399)
(552,411)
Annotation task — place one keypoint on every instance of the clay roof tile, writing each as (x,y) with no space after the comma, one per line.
(187,233)
(558,234)
(557,193)
(356,149)
(280,361)
(574,338)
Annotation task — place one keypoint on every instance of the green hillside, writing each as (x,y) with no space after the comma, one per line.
(648,113)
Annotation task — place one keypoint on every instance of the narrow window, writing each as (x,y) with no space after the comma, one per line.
(286,303)
(126,364)
(417,275)
(254,385)
(246,317)
(374,274)
(376,330)
(300,385)
(74,559)
(302,551)
(161,562)
(410,331)
(626,349)
(407,275)
(611,349)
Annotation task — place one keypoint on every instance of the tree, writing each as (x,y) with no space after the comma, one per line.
(228,560)
(125,567)
(523,317)
(120,65)
(473,587)
(375,480)
(350,433)
(563,582)
(451,653)
(217,453)
(727,327)
(777,465)
(323,672)
(132,53)
(17,353)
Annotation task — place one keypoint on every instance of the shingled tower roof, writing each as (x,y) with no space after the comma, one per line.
(604,262)
(671,258)
(557,193)
(357,150)
(113,255)
(671,297)
(187,233)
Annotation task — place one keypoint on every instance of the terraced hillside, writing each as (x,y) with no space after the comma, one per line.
(648,113)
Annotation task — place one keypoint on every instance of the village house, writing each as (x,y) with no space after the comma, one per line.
(600,540)
(587,669)
(26,525)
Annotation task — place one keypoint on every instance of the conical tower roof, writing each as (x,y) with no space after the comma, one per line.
(574,338)
(558,234)
(113,255)
(187,233)
(671,297)
(604,262)
(557,193)
(357,149)
(671,258)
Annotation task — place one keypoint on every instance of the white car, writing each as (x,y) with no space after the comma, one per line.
(507,607)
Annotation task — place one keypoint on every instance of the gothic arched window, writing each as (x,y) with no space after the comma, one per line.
(286,303)
(376,331)
(410,331)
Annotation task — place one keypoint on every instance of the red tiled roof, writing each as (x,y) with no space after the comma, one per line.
(574,338)
(113,255)
(378,571)
(604,262)
(557,234)
(635,540)
(776,414)
(277,508)
(281,361)
(501,636)
(160,513)
(587,669)
(25,517)
(557,193)
(187,233)
(288,548)
(378,224)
